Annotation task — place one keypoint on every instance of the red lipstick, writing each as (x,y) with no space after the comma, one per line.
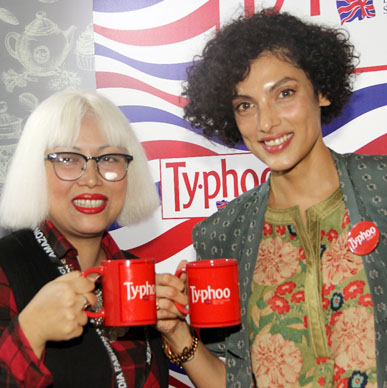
(90,203)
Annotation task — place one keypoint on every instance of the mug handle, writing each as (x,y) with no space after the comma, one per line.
(179,306)
(99,271)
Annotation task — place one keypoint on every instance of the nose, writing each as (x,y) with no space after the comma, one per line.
(268,118)
(91,175)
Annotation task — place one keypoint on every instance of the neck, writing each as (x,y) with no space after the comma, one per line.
(307,184)
(90,252)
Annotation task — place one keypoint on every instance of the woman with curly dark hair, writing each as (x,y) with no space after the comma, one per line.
(313,310)
(324,54)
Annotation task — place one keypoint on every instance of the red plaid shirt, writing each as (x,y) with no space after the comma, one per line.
(19,366)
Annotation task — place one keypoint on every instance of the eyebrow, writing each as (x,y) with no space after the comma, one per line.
(100,148)
(281,82)
(273,87)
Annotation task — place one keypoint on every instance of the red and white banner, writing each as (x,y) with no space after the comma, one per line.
(142,50)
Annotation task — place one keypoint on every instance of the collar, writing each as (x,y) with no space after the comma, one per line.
(65,251)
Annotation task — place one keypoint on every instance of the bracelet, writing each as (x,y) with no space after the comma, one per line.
(184,356)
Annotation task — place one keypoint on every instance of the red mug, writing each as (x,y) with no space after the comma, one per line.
(213,292)
(129,297)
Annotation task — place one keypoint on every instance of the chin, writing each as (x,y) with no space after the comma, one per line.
(281,169)
(93,228)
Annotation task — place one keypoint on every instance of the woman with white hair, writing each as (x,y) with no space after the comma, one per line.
(78,167)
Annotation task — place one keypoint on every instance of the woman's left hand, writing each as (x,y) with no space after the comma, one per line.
(204,369)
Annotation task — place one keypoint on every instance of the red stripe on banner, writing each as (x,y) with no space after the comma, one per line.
(115,80)
(249,7)
(175,383)
(278,5)
(194,24)
(161,149)
(168,244)
(375,147)
(370,68)
(314,7)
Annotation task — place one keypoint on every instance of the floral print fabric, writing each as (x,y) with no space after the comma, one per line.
(310,310)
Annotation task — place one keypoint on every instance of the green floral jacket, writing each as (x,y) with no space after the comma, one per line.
(236,232)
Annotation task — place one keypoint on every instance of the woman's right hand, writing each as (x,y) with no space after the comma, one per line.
(171,289)
(56,312)
(204,369)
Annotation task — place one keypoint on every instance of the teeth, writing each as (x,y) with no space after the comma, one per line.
(278,141)
(89,203)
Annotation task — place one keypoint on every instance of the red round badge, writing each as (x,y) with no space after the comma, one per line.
(363,238)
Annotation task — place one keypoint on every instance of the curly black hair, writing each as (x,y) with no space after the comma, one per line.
(324,54)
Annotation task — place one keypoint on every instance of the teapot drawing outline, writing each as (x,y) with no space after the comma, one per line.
(10,131)
(43,47)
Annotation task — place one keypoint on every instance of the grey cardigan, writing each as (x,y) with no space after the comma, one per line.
(236,232)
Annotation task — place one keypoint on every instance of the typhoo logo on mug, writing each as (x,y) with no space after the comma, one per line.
(142,291)
(213,291)
(126,303)
(210,295)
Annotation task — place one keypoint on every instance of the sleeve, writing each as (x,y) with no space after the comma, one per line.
(216,339)
(19,366)
(368,175)
(213,339)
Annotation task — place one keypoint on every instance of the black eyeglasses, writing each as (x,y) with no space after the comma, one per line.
(70,166)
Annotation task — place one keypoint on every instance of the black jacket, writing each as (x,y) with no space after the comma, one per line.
(80,362)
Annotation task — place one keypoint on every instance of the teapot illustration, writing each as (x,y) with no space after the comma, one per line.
(43,47)
(10,131)
(10,125)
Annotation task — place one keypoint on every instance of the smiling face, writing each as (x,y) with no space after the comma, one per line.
(278,114)
(87,206)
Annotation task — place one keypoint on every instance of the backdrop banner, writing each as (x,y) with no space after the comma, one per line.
(136,52)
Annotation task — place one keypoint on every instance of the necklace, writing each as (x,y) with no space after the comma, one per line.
(110,332)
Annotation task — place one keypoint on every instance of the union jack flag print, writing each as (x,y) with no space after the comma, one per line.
(352,9)
(221,204)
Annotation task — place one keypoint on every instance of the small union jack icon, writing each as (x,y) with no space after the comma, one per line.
(221,204)
(352,9)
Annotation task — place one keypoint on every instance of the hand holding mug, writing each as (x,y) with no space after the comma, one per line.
(170,289)
(56,313)
(213,291)
(128,292)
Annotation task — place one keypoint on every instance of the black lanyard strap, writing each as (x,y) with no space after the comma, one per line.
(116,366)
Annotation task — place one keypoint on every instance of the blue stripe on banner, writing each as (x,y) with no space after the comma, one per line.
(361,101)
(140,114)
(171,71)
(122,5)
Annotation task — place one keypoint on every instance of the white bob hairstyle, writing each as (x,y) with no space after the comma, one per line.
(57,122)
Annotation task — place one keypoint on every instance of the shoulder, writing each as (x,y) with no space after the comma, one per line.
(362,162)
(226,232)
(25,264)
(367,176)
(368,173)
(17,241)
(236,210)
